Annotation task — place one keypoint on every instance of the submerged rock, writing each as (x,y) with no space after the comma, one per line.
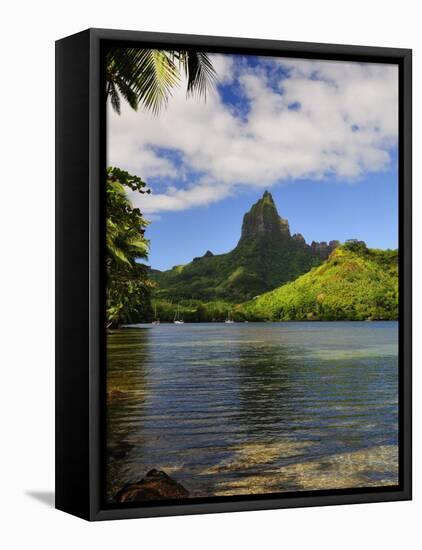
(115,394)
(120,451)
(156,485)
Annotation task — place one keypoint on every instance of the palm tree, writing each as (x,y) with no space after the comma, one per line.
(128,284)
(125,225)
(147,76)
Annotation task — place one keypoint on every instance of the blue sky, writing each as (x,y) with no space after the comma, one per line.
(324,211)
(321,136)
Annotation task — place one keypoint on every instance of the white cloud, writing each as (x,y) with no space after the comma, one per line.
(224,66)
(345,127)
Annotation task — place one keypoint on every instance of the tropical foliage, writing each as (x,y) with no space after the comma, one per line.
(128,284)
(355,283)
(147,76)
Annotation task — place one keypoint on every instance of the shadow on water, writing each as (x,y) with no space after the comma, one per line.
(45,497)
(265,387)
(127,391)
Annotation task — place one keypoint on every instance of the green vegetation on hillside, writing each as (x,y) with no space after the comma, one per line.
(355,283)
(279,275)
(250,269)
(265,257)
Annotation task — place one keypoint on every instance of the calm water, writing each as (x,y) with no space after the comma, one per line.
(256,407)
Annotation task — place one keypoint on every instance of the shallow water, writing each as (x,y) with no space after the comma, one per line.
(254,407)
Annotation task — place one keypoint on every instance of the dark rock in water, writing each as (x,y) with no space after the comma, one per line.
(120,451)
(156,485)
(113,394)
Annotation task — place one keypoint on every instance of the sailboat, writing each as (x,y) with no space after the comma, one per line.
(229,320)
(156,320)
(177,319)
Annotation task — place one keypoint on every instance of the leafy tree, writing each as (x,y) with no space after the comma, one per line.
(354,245)
(141,76)
(147,76)
(128,284)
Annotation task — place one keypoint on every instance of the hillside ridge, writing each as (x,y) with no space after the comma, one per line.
(266,256)
(354,283)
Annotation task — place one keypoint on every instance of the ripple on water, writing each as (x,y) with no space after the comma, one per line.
(254,408)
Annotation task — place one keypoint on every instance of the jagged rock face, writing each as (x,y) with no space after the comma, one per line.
(208,254)
(322,249)
(266,256)
(298,237)
(263,220)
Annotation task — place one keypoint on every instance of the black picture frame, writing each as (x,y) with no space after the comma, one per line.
(80,339)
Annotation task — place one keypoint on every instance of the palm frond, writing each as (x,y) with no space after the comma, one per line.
(139,247)
(114,97)
(144,76)
(147,76)
(115,251)
(200,73)
(128,94)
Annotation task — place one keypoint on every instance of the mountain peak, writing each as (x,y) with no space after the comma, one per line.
(264,220)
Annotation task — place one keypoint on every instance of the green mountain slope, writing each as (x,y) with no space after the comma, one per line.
(354,283)
(266,256)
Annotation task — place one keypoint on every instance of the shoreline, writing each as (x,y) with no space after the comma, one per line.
(145,324)
(253,472)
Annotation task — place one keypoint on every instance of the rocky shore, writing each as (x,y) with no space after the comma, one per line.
(156,485)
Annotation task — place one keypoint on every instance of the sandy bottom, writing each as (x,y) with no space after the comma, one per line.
(338,471)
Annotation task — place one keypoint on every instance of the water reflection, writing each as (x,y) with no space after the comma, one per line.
(128,356)
(261,406)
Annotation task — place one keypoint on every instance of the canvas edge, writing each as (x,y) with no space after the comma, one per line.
(72,419)
(94,170)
